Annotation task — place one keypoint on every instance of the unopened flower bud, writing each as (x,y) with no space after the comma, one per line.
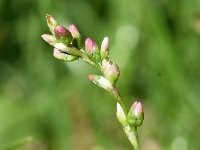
(61,31)
(51,22)
(121,116)
(104,48)
(77,41)
(110,70)
(74,31)
(138,110)
(90,46)
(101,82)
(69,50)
(136,115)
(63,34)
(63,56)
(92,49)
(49,39)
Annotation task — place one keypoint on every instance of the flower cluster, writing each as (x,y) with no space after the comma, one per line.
(68,46)
(63,40)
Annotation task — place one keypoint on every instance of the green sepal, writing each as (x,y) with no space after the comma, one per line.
(69,58)
(132,120)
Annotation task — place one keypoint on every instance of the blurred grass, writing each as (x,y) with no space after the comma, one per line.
(156,44)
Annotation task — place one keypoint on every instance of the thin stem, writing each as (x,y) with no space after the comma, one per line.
(131,133)
(86,59)
(115,93)
(79,53)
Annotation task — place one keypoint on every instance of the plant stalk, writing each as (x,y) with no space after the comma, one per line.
(132,135)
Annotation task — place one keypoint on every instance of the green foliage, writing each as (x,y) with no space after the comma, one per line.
(156,45)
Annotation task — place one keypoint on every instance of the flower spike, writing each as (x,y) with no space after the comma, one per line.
(68,46)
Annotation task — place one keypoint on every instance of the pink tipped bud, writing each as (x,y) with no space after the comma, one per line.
(101,82)
(104,48)
(74,31)
(138,110)
(77,41)
(61,31)
(63,34)
(105,44)
(56,52)
(63,56)
(49,39)
(51,22)
(136,115)
(110,70)
(90,46)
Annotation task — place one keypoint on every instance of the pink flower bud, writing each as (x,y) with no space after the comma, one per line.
(104,48)
(137,109)
(110,70)
(56,52)
(74,31)
(61,31)
(63,34)
(49,39)
(135,116)
(101,82)
(77,40)
(90,46)
(51,22)
(105,44)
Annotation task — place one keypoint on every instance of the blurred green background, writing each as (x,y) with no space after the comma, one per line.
(156,44)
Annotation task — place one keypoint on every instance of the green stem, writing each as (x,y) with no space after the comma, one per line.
(79,53)
(132,135)
(86,59)
(115,93)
